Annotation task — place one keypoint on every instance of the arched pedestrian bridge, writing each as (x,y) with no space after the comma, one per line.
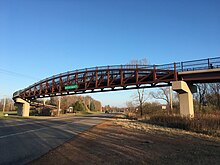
(180,75)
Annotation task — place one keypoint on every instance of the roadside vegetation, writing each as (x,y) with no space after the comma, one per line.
(69,105)
(202,123)
(206,123)
(9,115)
(206,107)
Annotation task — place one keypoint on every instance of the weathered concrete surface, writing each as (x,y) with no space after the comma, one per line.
(23,107)
(186,98)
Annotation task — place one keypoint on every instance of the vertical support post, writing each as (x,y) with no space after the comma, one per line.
(108,75)
(171,100)
(85,78)
(136,74)
(208,63)
(186,98)
(44,101)
(154,73)
(59,100)
(35,89)
(60,84)
(68,78)
(4,104)
(53,85)
(41,88)
(29,92)
(121,76)
(23,107)
(96,77)
(175,72)
(22,95)
(47,87)
(182,66)
(76,77)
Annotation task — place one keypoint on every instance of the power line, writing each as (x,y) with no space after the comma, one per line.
(17,74)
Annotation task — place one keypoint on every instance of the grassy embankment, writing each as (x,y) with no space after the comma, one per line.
(202,123)
(205,123)
(83,113)
(11,114)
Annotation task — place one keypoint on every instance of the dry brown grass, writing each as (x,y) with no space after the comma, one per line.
(202,123)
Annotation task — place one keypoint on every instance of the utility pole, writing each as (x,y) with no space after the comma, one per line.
(59,100)
(171,99)
(44,101)
(89,104)
(4,104)
(11,107)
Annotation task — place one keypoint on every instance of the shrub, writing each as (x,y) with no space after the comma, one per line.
(92,106)
(202,123)
(79,106)
(33,113)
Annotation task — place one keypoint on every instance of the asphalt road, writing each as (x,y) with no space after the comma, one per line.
(23,140)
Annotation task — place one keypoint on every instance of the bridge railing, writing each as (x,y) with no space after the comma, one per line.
(209,63)
(170,66)
(93,69)
(105,68)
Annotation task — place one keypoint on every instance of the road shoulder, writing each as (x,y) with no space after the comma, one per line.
(116,142)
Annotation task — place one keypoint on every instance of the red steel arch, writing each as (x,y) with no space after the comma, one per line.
(101,79)
(122,77)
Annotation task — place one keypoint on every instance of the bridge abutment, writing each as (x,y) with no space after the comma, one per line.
(185,92)
(23,107)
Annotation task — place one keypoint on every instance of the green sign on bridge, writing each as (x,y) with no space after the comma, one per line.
(71,87)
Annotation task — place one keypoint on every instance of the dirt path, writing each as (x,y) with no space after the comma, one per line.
(119,142)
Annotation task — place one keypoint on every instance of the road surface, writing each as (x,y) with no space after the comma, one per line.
(130,142)
(23,140)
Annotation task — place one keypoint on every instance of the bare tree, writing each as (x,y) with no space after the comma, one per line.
(215,93)
(143,61)
(163,94)
(200,96)
(208,95)
(139,100)
(98,105)
(140,97)
(130,108)
(6,104)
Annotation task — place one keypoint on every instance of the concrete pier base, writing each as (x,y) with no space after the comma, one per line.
(185,92)
(23,107)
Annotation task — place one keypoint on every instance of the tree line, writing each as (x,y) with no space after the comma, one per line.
(7,104)
(207,97)
(79,103)
(206,100)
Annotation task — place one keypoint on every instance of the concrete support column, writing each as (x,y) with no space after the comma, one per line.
(23,107)
(186,98)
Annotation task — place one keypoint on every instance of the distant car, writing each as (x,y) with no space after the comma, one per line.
(106,111)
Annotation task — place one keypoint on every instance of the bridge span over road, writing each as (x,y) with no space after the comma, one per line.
(181,75)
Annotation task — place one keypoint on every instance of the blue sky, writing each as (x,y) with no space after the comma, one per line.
(39,38)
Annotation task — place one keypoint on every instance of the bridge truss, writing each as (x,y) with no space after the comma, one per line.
(98,79)
(120,77)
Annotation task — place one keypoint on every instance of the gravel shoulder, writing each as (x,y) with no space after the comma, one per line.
(122,141)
